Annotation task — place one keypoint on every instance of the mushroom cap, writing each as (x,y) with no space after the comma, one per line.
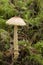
(16,21)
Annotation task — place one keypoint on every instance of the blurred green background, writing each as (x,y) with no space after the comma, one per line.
(30,37)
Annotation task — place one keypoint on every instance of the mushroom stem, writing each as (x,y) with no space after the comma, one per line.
(16,52)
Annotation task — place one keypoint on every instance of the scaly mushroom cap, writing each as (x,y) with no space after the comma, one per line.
(16,21)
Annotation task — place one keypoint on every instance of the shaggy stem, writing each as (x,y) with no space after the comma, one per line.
(16,53)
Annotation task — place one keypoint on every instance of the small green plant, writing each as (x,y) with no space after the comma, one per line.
(4,40)
(39,46)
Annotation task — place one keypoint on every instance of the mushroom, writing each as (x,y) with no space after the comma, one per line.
(16,21)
